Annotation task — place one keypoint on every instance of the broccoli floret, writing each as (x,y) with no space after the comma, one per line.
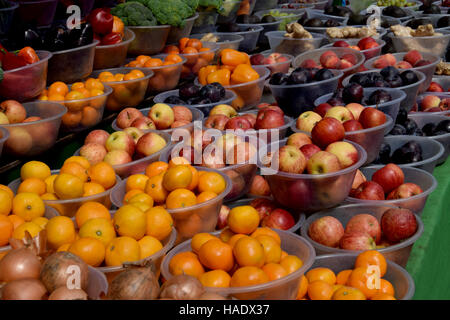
(210,4)
(134,14)
(171,12)
(193,4)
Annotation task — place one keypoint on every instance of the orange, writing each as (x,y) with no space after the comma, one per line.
(118,77)
(28,206)
(359,279)
(74,169)
(324,274)
(137,73)
(92,188)
(302,288)
(80,160)
(153,63)
(205,196)
(342,276)
(49,183)
(130,194)
(32,185)
(91,250)
(171,49)
(383,296)
(175,58)
(60,230)
(155,189)
(211,181)
(182,43)
(40,221)
(6,230)
(122,249)
(248,276)
(98,228)
(74,101)
(142,198)
(58,87)
(386,287)
(216,255)
(284,254)
(234,238)
(142,59)
(215,279)
(194,181)
(186,263)
(149,246)
(85,92)
(348,293)
(320,290)
(181,198)
(159,223)
(7,189)
(291,263)
(31,227)
(243,219)
(63,210)
(103,174)
(226,234)
(91,84)
(178,161)
(55,97)
(274,271)
(178,177)
(64,247)
(200,239)
(6,202)
(249,252)
(194,43)
(372,258)
(130,221)
(68,186)
(95,93)
(77,85)
(34,169)
(272,250)
(141,206)
(91,210)
(264,231)
(136,181)
(16,220)
(155,168)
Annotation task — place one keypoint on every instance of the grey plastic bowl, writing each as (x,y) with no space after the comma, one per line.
(4,136)
(295,99)
(411,90)
(293,14)
(434,18)
(390,108)
(149,39)
(279,66)
(432,151)
(368,53)
(435,45)
(114,55)
(6,16)
(205,22)
(265,5)
(205,108)
(428,70)
(248,44)
(422,96)
(176,34)
(398,253)
(422,119)
(400,278)
(269,26)
(444,81)
(423,179)
(314,13)
(279,43)
(226,40)
(296,5)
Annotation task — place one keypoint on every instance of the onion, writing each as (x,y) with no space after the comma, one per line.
(182,287)
(63,293)
(211,296)
(19,264)
(63,269)
(134,284)
(24,289)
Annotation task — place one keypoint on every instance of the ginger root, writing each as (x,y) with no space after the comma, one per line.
(422,31)
(296,30)
(351,32)
(443,68)
(210,37)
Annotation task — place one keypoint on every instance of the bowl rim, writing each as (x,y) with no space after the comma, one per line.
(62,111)
(260,23)
(46,57)
(381,44)
(106,93)
(294,12)
(241,33)
(88,46)
(289,57)
(306,176)
(263,77)
(425,16)
(400,245)
(147,75)
(212,46)
(232,96)
(380,30)
(308,5)
(132,36)
(159,26)
(13,6)
(429,115)
(337,75)
(276,34)
(238,37)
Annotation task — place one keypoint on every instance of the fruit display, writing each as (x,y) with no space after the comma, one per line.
(350,32)
(191,94)
(432,103)
(285,15)
(401,3)
(12,60)
(436,87)
(275,62)
(250,33)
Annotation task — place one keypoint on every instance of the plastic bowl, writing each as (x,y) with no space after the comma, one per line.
(72,65)
(265,5)
(27,82)
(4,135)
(137,166)
(227,40)
(309,192)
(189,67)
(314,13)
(299,217)
(432,151)
(370,139)
(279,43)
(428,70)
(86,7)
(97,285)
(401,280)
(230,7)
(409,14)
(444,81)
(204,108)
(250,37)
(69,207)
(441,95)
(33,138)
(422,119)
(390,108)
(296,5)
(381,33)
(190,220)
(149,39)
(285,288)
(91,110)
(398,253)
(6,17)
(279,66)
(126,93)
(423,179)
(205,22)
(292,15)
(114,55)
(436,45)
(320,5)
(368,53)
(411,90)
(269,26)
(434,18)
(175,34)
(39,13)
(156,258)
(295,99)
(164,77)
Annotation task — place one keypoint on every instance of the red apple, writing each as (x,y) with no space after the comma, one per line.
(398,224)
(405,190)
(389,177)
(14,111)
(251,117)
(97,136)
(345,152)
(272,107)
(181,113)
(289,159)
(307,120)
(298,139)
(259,187)
(269,119)
(340,113)
(327,131)
(223,216)
(257,59)
(352,125)
(355,109)
(368,190)
(93,152)
(279,219)
(242,152)
(127,116)
(372,117)
(322,109)
(412,57)
(143,123)
(366,223)
(216,121)
(435,87)
(341,44)
(365,41)
(327,231)
(263,206)
(238,123)
(357,241)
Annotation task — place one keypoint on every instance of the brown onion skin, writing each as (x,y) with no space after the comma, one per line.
(134,284)
(19,264)
(63,293)
(182,287)
(211,296)
(24,289)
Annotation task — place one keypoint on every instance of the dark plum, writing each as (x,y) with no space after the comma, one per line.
(210,92)
(389,72)
(220,88)
(174,100)
(401,116)
(299,77)
(418,132)
(198,100)
(331,23)
(443,22)
(429,129)
(381,84)
(188,90)
(398,130)
(278,78)
(444,125)
(353,93)
(336,101)
(323,74)
(412,146)
(384,155)
(314,23)
(409,77)
(410,126)
(268,19)
(394,82)
(379,97)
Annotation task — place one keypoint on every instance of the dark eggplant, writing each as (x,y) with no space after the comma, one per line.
(56,38)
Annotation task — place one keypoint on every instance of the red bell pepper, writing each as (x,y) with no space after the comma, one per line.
(29,55)
(12,61)
(102,21)
(111,38)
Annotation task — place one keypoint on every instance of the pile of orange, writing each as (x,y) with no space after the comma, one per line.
(77,178)
(243,254)
(173,185)
(357,284)
(80,112)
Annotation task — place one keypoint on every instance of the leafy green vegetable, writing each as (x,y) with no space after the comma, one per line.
(210,4)
(134,14)
(171,12)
